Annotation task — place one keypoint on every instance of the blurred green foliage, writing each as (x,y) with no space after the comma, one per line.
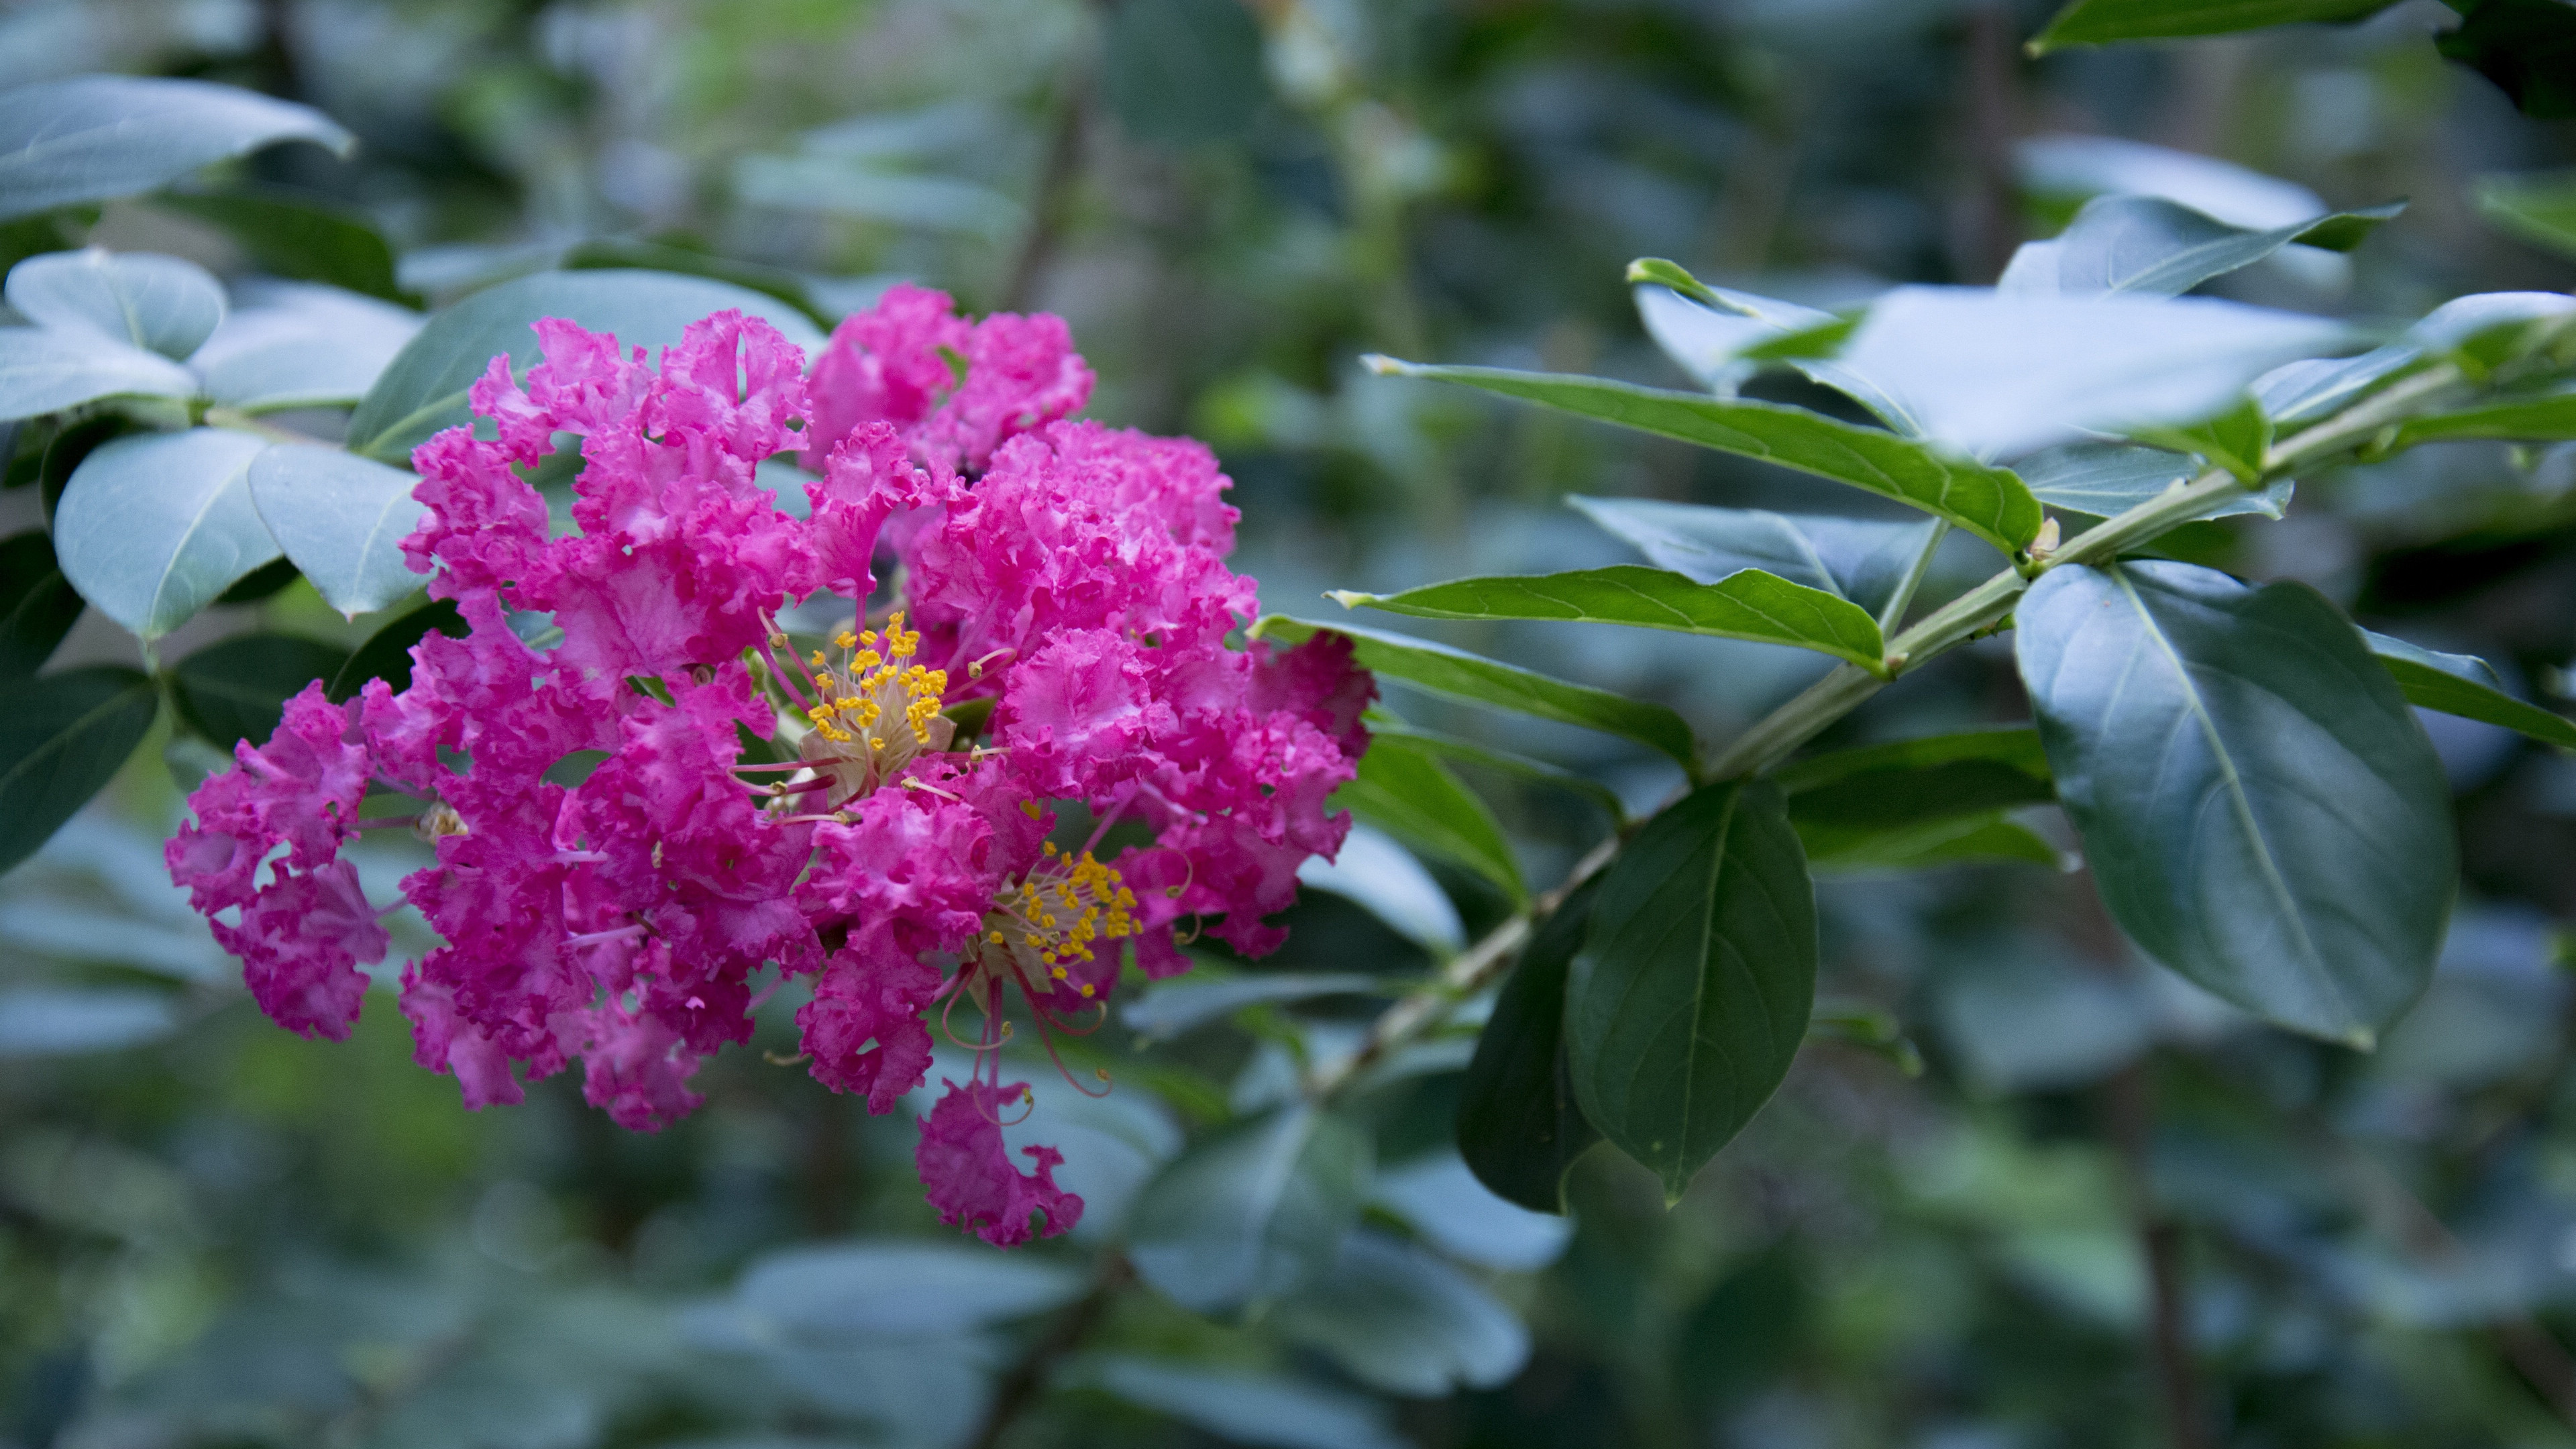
(213,1233)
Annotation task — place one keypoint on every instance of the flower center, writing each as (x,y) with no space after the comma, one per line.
(874,710)
(1065,904)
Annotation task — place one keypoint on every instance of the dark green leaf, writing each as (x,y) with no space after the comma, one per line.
(2104,22)
(64,452)
(1181,72)
(94,137)
(1237,1406)
(37,604)
(424,389)
(153,527)
(2527,47)
(2161,248)
(62,738)
(299,237)
(237,690)
(1461,675)
(2545,418)
(1911,782)
(1450,747)
(1398,1319)
(265,582)
(342,519)
(1747,604)
(2105,480)
(1253,1212)
(1519,1126)
(2238,440)
(1952,840)
(1862,559)
(2014,747)
(2465,685)
(2262,812)
(1404,790)
(1988,502)
(2539,208)
(1691,993)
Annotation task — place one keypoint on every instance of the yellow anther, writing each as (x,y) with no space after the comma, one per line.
(1086,990)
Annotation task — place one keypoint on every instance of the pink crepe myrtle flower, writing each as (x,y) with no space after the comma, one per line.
(870,818)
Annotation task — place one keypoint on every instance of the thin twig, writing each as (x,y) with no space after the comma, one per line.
(2132,1109)
(1026,1381)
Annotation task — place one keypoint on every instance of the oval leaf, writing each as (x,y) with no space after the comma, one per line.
(162,304)
(153,527)
(1746,604)
(1252,1212)
(1987,502)
(424,389)
(1691,993)
(37,604)
(1461,675)
(1398,1319)
(1519,1127)
(2467,686)
(342,519)
(2262,812)
(302,346)
(1861,559)
(238,689)
(2102,22)
(1407,792)
(46,372)
(62,738)
(2161,248)
(98,136)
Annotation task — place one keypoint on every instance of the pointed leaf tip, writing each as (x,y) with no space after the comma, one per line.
(1382,365)
(1348,598)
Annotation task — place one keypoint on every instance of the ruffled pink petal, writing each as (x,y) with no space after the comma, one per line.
(969,1177)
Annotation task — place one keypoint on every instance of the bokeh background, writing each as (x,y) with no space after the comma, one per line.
(215,1233)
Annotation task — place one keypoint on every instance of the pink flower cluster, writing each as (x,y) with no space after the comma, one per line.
(871,816)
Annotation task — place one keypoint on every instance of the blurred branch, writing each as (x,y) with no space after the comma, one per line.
(1067,130)
(1994,96)
(1026,1381)
(2130,1109)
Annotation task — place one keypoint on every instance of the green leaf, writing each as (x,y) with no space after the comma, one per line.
(1237,1406)
(2467,686)
(161,304)
(2161,248)
(46,372)
(1400,1320)
(265,582)
(1175,1007)
(1861,559)
(1988,502)
(1721,337)
(1747,604)
(1691,993)
(1519,1126)
(153,527)
(1921,802)
(2527,47)
(2238,440)
(298,236)
(342,519)
(1956,840)
(62,738)
(1461,675)
(2262,812)
(893,1287)
(2106,22)
(38,606)
(2538,207)
(625,253)
(1405,791)
(424,389)
(1450,747)
(2302,392)
(299,345)
(387,653)
(238,689)
(2546,418)
(90,138)
(1252,1212)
